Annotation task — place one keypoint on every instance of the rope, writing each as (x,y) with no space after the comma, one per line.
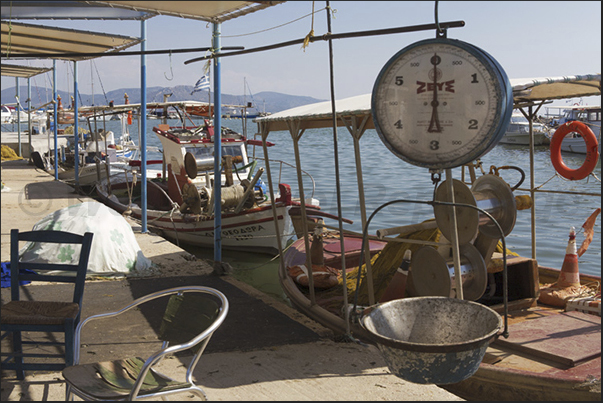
(311,34)
(171,70)
(101,82)
(277,26)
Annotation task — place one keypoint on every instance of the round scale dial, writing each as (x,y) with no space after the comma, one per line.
(441,103)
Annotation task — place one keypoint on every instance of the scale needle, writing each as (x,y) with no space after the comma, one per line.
(435,60)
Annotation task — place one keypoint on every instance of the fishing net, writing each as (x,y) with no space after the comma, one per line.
(385,263)
(8,154)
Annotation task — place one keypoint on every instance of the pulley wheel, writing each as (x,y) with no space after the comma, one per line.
(467,218)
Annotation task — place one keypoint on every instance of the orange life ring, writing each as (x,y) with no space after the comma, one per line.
(592,150)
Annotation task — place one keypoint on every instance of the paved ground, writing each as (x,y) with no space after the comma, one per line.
(264,351)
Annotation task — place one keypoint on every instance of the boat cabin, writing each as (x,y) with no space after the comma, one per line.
(189,157)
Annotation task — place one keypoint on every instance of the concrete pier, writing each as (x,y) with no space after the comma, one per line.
(265,350)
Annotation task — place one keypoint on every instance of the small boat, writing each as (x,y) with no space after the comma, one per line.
(180,201)
(518,132)
(589,115)
(7,114)
(558,357)
(100,155)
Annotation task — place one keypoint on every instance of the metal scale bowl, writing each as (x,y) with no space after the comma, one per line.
(432,340)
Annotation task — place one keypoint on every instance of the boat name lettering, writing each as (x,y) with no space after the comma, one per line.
(445,86)
(243,232)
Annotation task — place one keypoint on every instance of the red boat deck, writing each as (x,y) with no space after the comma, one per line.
(580,332)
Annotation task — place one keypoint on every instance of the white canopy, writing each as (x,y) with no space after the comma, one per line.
(320,114)
(544,89)
(525,90)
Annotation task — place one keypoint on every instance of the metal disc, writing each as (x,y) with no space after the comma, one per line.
(498,201)
(190,165)
(432,275)
(429,271)
(473,289)
(467,218)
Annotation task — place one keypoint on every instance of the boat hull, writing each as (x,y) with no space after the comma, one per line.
(505,384)
(575,145)
(251,230)
(507,372)
(524,139)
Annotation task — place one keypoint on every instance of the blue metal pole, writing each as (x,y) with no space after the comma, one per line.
(55,120)
(76,134)
(18,109)
(29,128)
(217,148)
(143,124)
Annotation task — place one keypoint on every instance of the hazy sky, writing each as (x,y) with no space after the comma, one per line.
(528,38)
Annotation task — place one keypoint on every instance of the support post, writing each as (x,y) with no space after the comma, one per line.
(142,114)
(76,134)
(55,120)
(217,149)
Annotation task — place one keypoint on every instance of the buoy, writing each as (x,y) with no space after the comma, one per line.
(592,150)
(324,277)
(397,285)
(569,276)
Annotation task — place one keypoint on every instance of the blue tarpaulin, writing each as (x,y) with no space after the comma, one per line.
(6,275)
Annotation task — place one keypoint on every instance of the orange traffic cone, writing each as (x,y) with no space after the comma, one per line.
(569,276)
(397,285)
(568,284)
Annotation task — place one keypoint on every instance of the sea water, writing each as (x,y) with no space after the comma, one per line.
(388,178)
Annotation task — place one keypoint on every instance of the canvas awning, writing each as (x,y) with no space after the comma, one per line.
(72,10)
(13,70)
(525,91)
(210,11)
(20,38)
(319,115)
(551,88)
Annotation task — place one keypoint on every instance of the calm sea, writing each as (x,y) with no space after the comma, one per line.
(387,178)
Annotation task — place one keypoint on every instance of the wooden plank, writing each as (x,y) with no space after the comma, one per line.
(568,338)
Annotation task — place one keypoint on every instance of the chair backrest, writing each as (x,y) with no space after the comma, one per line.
(187,316)
(30,271)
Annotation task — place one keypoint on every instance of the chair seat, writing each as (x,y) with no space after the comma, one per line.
(113,380)
(38,312)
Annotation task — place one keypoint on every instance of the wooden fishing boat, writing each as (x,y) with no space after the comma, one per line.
(551,352)
(180,199)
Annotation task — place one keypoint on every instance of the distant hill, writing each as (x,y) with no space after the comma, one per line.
(263,101)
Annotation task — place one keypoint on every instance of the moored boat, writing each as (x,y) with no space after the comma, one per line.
(559,362)
(518,132)
(591,117)
(180,201)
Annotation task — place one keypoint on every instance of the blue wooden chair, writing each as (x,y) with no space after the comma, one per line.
(20,315)
(192,315)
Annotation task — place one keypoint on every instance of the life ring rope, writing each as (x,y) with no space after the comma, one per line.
(592,150)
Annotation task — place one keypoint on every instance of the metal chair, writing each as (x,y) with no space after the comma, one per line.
(44,316)
(192,315)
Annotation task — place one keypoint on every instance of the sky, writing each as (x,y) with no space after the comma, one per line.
(528,38)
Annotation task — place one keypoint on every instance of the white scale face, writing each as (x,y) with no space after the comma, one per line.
(441,103)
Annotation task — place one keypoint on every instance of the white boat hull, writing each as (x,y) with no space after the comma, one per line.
(575,145)
(523,139)
(251,230)
(254,231)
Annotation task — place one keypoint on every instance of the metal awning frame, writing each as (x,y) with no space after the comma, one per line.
(32,39)
(13,70)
